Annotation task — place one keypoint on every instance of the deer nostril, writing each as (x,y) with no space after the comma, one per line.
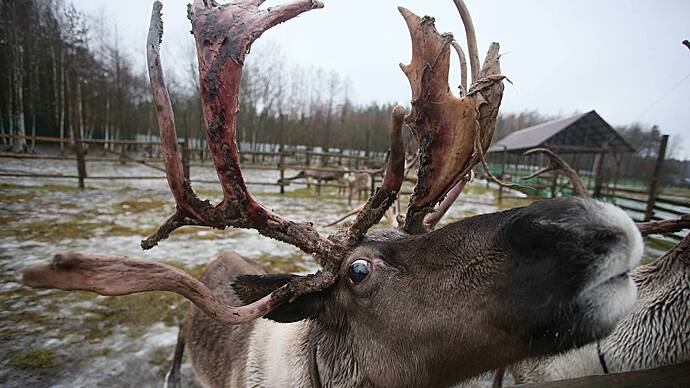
(601,241)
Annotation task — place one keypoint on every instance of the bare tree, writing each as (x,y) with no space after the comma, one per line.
(17,72)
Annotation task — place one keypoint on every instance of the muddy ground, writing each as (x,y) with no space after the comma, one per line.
(73,339)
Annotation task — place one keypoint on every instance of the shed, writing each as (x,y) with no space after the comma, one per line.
(582,133)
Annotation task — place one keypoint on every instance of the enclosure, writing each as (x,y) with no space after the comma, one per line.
(242,146)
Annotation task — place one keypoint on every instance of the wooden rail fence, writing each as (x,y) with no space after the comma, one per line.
(641,204)
(280,161)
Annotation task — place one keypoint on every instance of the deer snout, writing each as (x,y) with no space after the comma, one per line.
(610,291)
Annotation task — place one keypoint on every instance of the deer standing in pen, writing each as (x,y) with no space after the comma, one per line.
(411,306)
(358,184)
(320,175)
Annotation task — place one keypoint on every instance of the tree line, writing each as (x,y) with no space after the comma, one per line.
(64,74)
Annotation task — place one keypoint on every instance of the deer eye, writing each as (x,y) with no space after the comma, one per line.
(359,270)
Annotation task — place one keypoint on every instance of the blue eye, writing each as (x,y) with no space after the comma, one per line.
(359,270)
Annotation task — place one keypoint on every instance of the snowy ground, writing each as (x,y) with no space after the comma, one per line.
(53,338)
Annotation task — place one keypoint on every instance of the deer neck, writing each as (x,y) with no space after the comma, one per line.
(301,354)
(278,354)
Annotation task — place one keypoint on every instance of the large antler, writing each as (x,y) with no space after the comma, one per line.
(448,129)
(223,35)
(452,132)
(114,275)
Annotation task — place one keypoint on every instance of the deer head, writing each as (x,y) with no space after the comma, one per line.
(478,293)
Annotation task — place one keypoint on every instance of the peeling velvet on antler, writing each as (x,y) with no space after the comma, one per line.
(447,128)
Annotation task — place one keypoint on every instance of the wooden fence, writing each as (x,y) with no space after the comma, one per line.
(148,152)
(642,204)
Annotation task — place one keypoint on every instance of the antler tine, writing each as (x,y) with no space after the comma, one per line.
(220,68)
(665,226)
(558,164)
(385,195)
(471,38)
(463,67)
(114,275)
(186,200)
(434,217)
(452,132)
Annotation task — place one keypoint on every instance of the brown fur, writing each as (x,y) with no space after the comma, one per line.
(217,350)
(436,308)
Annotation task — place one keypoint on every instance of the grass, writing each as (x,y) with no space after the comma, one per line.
(143,205)
(87,315)
(161,359)
(676,191)
(283,264)
(327,193)
(660,244)
(67,227)
(32,359)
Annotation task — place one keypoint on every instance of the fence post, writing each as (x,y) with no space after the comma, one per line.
(554,184)
(599,178)
(81,162)
(504,158)
(654,184)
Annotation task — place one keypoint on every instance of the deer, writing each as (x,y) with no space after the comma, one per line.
(320,175)
(653,334)
(409,306)
(358,184)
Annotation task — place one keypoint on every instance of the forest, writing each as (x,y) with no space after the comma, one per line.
(64,71)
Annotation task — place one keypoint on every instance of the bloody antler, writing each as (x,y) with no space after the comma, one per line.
(452,132)
(385,195)
(115,275)
(223,35)
(471,38)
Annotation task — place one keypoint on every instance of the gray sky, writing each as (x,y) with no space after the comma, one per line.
(622,58)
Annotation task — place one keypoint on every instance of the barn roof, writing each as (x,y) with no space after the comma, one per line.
(582,133)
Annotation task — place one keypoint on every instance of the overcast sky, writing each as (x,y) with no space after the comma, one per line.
(622,58)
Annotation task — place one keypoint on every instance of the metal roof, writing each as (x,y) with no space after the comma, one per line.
(583,133)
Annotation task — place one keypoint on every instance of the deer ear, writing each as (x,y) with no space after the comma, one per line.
(250,288)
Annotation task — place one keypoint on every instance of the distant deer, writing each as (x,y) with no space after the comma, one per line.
(358,184)
(413,306)
(320,175)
